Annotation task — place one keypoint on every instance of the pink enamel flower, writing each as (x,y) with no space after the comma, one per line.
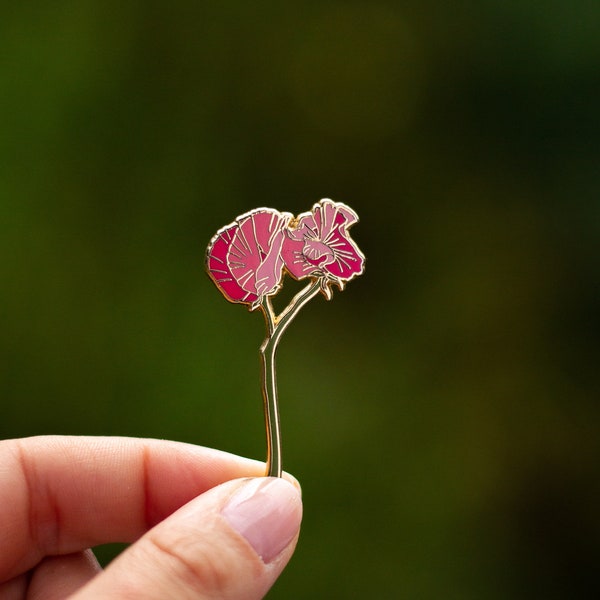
(244,258)
(319,246)
(247,261)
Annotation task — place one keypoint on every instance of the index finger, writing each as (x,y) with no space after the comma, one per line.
(62,494)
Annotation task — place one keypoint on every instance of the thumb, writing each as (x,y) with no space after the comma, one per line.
(231,542)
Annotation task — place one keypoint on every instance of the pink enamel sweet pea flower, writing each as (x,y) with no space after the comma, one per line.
(247,261)
(319,246)
(244,258)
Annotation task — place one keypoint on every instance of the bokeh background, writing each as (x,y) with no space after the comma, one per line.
(443,412)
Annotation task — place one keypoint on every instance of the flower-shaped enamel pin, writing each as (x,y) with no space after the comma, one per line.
(247,260)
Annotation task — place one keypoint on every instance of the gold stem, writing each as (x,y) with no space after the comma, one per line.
(276,325)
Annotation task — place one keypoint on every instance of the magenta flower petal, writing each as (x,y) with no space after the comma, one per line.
(244,258)
(320,245)
(218,267)
(255,255)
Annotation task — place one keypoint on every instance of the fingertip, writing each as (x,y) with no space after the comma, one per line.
(267,512)
(231,542)
(289,477)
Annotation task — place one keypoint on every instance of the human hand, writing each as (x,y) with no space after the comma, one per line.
(198,529)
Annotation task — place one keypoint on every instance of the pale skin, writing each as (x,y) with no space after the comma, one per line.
(188,512)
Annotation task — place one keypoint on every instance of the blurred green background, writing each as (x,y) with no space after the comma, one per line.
(442,413)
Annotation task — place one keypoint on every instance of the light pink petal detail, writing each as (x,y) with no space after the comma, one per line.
(270,272)
(321,246)
(346,260)
(347,213)
(244,258)
(255,255)
(306,227)
(296,263)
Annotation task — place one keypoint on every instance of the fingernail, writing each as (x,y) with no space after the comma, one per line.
(266,511)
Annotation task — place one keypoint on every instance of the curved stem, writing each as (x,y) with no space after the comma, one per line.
(275,327)
(269,314)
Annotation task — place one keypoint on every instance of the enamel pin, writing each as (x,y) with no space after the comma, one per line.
(248,259)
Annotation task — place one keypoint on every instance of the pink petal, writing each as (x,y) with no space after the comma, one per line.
(347,260)
(306,226)
(218,267)
(345,212)
(320,243)
(254,257)
(296,262)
